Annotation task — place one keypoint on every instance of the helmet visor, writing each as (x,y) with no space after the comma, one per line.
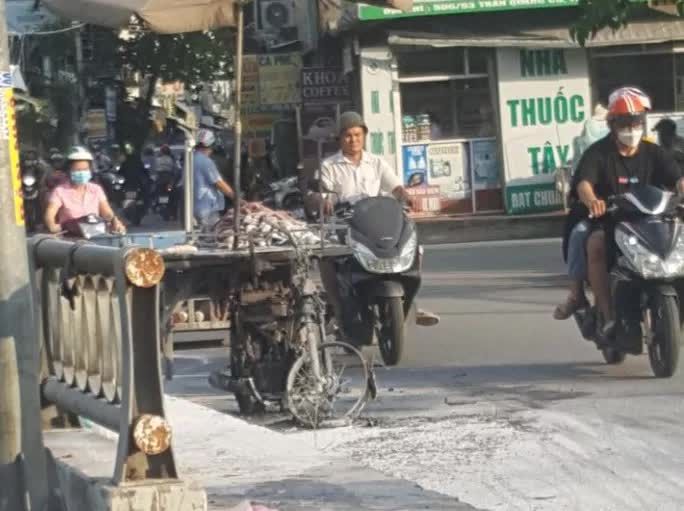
(629,120)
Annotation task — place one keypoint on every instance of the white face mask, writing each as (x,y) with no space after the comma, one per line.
(630,137)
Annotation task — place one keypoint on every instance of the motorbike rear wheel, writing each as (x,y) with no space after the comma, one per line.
(663,352)
(391,334)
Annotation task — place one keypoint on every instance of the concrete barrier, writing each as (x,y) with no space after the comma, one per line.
(84,479)
(489,228)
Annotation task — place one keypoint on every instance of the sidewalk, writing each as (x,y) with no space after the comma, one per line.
(237,461)
(462,229)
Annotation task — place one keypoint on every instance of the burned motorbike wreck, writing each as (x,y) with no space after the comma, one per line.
(280,354)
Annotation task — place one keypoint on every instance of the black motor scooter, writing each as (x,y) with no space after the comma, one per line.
(113,183)
(31,195)
(379,281)
(166,196)
(646,281)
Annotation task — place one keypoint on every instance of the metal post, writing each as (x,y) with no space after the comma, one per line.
(10,416)
(238,120)
(78,106)
(188,192)
(16,315)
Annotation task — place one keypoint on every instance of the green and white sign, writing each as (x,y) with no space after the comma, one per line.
(544,101)
(437,7)
(538,198)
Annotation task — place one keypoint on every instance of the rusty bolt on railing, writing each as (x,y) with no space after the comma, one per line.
(144,267)
(152,434)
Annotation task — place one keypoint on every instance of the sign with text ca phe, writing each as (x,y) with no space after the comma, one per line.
(437,7)
(544,102)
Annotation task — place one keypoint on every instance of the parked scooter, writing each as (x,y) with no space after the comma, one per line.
(379,282)
(646,281)
(113,184)
(30,189)
(134,204)
(285,194)
(166,196)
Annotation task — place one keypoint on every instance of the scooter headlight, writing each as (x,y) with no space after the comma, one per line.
(648,264)
(28,180)
(374,264)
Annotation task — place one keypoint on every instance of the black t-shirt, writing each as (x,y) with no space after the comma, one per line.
(613,174)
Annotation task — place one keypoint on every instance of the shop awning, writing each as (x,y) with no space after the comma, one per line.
(401,5)
(500,32)
(163,16)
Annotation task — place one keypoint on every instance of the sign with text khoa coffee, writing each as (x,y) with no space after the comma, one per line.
(544,101)
(324,85)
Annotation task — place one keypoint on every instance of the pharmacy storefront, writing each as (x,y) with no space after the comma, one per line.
(477,119)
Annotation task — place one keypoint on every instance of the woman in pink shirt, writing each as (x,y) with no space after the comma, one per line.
(79,197)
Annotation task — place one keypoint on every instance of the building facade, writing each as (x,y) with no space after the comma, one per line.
(476,104)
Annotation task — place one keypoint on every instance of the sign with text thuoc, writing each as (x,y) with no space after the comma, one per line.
(544,101)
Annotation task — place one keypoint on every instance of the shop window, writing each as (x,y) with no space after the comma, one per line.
(432,62)
(375,102)
(651,73)
(478,61)
(377,143)
(460,108)
(391,142)
(679,82)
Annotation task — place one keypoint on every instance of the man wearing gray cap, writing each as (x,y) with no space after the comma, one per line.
(351,174)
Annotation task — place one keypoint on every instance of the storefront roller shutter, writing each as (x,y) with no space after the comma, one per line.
(653,29)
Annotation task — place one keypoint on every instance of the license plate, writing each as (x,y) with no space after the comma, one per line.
(163,200)
(131,195)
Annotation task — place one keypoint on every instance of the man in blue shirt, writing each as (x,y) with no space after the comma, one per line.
(209,189)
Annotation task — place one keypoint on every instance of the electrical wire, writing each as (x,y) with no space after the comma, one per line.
(50,32)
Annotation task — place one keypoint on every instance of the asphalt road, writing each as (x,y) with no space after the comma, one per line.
(500,405)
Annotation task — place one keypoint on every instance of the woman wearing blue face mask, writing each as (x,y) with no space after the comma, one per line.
(79,197)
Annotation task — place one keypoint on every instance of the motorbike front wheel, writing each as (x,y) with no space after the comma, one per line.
(340,393)
(391,334)
(663,352)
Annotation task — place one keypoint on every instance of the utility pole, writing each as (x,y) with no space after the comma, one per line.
(78,106)
(20,419)
(237,159)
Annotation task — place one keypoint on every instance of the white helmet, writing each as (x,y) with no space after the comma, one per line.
(206,138)
(79,153)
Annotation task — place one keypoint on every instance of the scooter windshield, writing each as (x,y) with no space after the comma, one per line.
(648,200)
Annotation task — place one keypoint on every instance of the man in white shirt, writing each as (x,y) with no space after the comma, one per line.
(353,174)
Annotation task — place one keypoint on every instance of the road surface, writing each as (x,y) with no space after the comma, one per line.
(500,405)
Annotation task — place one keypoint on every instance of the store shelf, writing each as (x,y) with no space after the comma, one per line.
(447,141)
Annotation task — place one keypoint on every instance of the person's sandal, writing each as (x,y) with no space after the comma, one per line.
(425,318)
(566,309)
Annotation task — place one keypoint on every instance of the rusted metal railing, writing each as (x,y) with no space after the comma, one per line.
(99,308)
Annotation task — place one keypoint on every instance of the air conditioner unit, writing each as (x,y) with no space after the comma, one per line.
(275,15)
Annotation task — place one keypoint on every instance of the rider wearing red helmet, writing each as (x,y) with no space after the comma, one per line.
(610,167)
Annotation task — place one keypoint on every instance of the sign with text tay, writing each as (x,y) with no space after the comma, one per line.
(544,101)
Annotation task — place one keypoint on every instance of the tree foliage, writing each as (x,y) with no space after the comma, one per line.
(599,14)
(190,58)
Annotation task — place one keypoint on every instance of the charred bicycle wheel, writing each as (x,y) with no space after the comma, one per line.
(338,393)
